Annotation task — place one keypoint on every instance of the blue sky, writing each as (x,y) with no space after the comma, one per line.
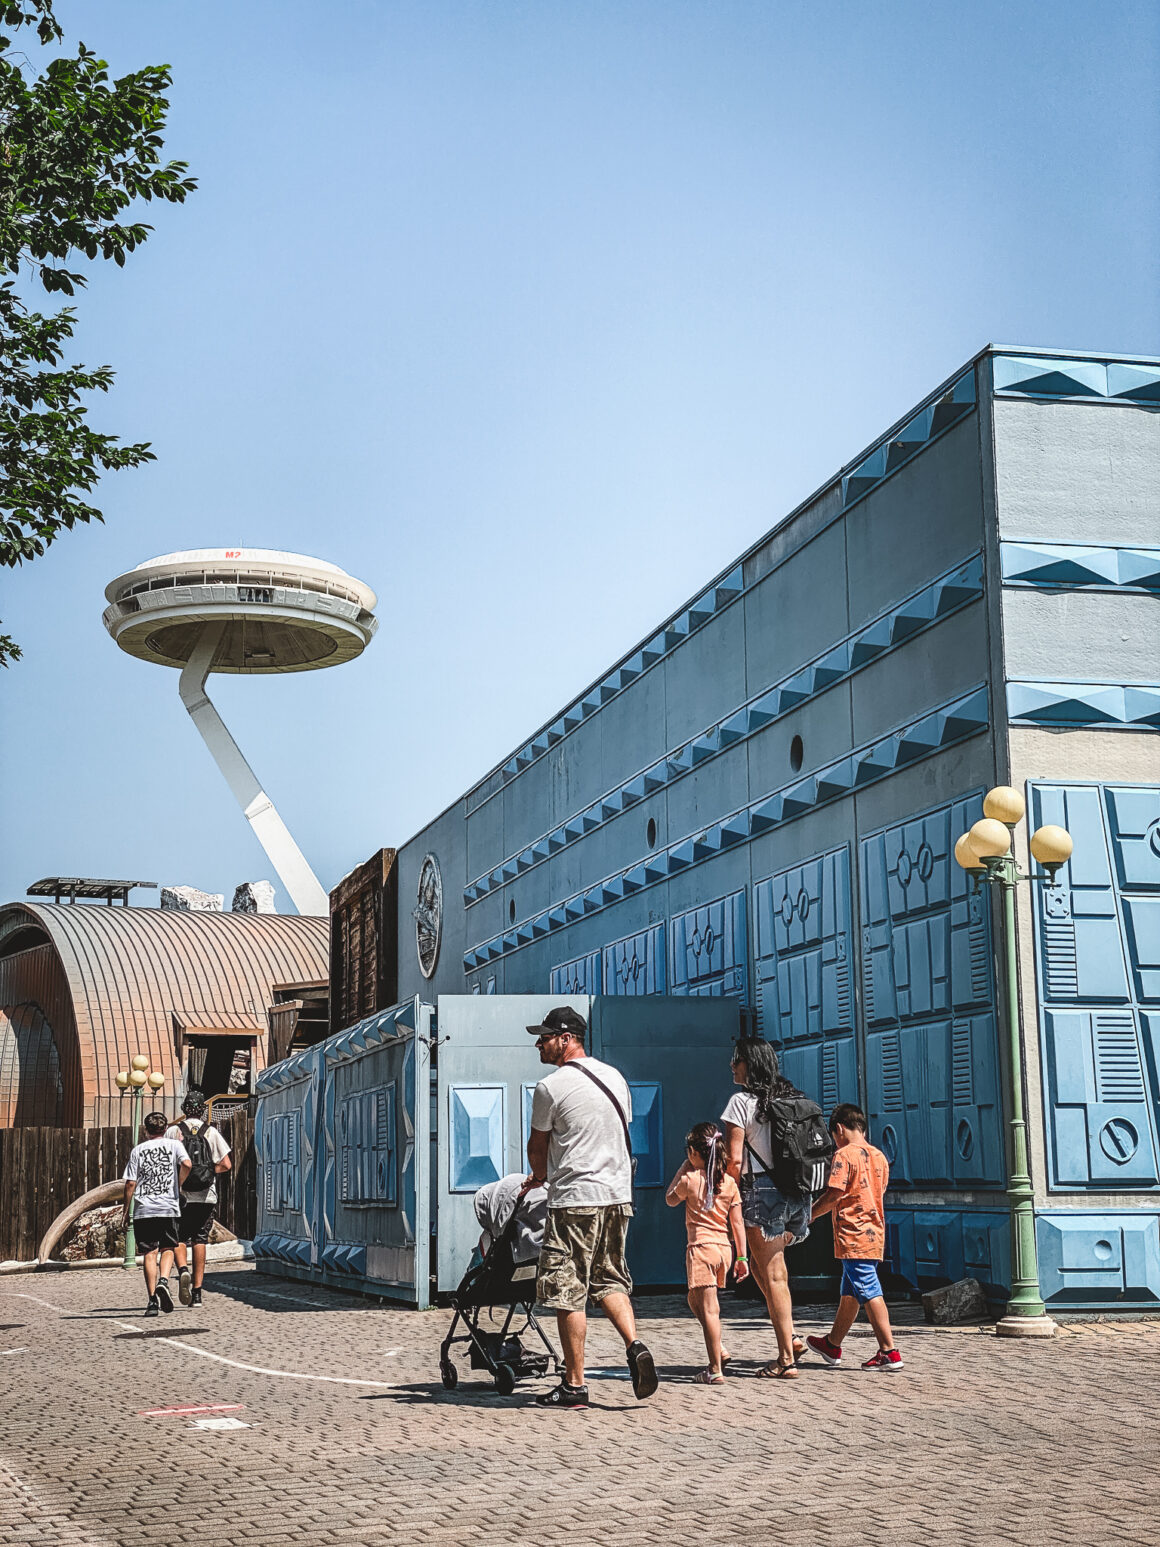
(533,316)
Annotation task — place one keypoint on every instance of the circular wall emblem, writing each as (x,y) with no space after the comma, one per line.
(428,915)
(1119,1140)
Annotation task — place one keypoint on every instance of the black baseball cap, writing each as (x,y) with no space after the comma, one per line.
(563,1018)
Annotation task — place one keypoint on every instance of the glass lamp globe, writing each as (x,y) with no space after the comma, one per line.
(989,838)
(156,1081)
(140,1062)
(137,1078)
(1051,845)
(965,855)
(123,1080)
(1003,804)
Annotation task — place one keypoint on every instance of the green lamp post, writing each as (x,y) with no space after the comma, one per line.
(132,1082)
(985,853)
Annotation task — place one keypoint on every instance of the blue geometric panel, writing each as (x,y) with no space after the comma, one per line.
(281,1162)
(1022,376)
(527,1091)
(935,601)
(1093,1259)
(1080,940)
(1073,566)
(927,980)
(938,1245)
(928,423)
(647,1133)
(1112,704)
(942,727)
(1098,959)
(805,1003)
(636,965)
(476,1129)
(367,1131)
(1100,1122)
(580,976)
(710,949)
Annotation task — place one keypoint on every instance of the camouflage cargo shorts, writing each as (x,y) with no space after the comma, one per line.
(582,1257)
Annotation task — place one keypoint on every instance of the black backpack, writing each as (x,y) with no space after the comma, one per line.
(201,1173)
(800,1144)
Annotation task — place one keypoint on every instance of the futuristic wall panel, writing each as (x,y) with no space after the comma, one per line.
(710,949)
(928,1001)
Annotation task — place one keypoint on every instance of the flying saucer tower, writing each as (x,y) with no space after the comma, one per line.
(247,611)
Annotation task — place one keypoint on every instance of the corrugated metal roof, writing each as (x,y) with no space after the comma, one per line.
(130,970)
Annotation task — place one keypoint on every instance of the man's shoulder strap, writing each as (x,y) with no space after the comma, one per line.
(579,1065)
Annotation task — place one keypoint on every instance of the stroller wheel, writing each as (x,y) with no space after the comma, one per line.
(505,1379)
(450,1375)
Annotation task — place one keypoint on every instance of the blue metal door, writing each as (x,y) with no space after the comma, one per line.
(674,1053)
(486,1069)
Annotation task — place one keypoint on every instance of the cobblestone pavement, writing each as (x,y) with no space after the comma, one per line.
(351,1438)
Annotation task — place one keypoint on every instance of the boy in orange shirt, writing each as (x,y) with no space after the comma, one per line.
(858,1177)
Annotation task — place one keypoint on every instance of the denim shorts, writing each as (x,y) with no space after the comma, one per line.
(764,1208)
(860,1279)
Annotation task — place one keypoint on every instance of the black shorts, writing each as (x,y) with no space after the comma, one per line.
(158,1232)
(196,1223)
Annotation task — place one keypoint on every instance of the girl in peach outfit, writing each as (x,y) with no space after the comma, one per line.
(712,1214)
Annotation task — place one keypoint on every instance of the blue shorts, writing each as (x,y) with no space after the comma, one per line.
(860,1279)
(764,1208)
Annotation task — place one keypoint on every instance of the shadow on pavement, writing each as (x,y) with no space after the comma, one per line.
(160,1332)
(423,1393)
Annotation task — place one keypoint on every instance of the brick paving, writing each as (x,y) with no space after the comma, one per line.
(978,1440)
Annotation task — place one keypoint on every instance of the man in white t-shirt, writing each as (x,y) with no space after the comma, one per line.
(198,1203)
(153,1179)
(579,1144)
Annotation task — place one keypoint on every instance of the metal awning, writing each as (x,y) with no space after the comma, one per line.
(73,887)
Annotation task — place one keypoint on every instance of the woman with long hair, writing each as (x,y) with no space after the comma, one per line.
(772,1221)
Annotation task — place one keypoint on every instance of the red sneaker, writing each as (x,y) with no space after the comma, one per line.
(825,1350)
(884,1359)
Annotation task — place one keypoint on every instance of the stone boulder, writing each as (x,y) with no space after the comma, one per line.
(187,899)
(963,1301)
(254,897)
(97,1233)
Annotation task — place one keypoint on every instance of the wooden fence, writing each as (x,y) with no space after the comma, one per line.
(43,1170)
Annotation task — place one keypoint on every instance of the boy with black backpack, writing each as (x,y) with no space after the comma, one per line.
(209,1156)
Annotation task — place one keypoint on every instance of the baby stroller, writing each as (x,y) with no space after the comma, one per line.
(504,1276)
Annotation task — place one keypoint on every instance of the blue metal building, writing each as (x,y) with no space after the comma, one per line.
(758,806)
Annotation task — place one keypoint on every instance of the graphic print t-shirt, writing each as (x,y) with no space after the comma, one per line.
(862,1172)
(154,1166)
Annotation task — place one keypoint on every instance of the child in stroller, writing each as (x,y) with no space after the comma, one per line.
(502,1273)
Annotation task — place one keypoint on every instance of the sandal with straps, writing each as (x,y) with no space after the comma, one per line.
(778,1371)
(708,1377)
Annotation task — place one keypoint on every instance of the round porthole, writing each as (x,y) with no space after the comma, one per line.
(797,754)
(650,833)
(512,911)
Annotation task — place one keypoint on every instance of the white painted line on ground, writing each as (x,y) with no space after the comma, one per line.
(16,1295)
(218,1423)
(4,1351)
(257,1369)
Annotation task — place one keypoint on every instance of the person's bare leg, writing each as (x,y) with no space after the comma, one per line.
(572,1327)
(179,1255)
(767,1261)
(879,1318)
(706,1308)
(618,1308)
(149,1263)
(165,1263)
(198,1264)
(844,1318)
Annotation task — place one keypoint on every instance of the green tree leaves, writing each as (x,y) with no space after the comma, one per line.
(76,151)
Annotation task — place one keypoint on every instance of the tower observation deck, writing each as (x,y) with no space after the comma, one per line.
(246,611)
